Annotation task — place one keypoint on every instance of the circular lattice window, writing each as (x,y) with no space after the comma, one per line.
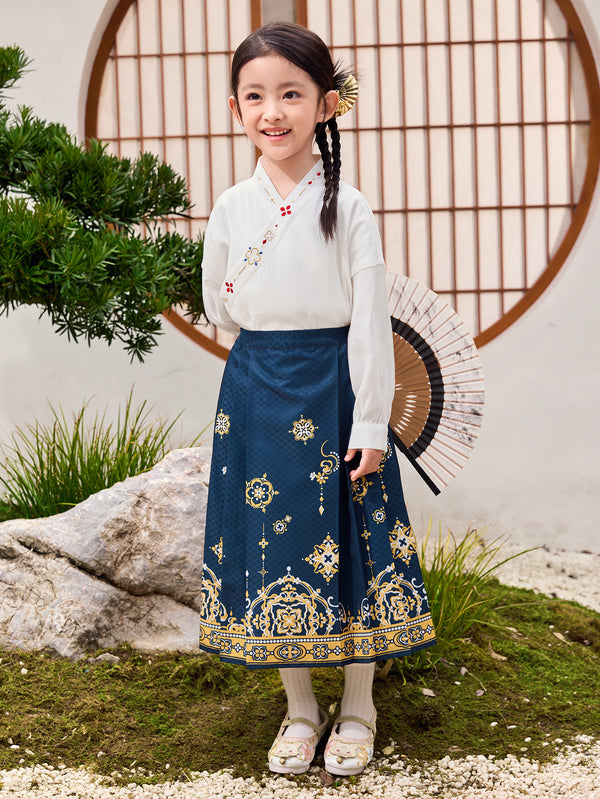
(475,138)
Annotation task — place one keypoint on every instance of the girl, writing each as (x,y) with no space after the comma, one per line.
(309,557)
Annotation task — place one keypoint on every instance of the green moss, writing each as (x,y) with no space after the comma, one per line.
(195,714)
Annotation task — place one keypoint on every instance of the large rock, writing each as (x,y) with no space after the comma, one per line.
(123,566)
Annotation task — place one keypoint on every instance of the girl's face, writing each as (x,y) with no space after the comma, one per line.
(279,104)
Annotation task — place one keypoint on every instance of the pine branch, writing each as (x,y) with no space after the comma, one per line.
(13,63)
(95,284)
(71,222)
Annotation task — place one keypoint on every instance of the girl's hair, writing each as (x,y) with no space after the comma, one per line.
(306,50)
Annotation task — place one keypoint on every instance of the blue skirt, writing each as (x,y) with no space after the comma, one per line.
(302,566)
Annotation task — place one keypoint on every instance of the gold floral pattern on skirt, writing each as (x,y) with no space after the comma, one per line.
(403,542)
(290,606)
(360,488)
(280,526)
(329,465)
(222,424)
(260,492)
(303,429)
(325,558)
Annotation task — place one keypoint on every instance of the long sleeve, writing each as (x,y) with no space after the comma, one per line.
(371,359)
(214,269)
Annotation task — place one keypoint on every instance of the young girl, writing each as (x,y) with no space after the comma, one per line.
(309,557)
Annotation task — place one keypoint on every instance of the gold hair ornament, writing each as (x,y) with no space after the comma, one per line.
(348,92)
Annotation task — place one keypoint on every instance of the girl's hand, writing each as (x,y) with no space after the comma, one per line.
(369,462)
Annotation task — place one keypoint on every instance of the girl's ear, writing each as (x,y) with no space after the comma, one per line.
(331,103)
(233,106)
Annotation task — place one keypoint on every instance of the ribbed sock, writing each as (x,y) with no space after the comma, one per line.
(357,699)
(301,700)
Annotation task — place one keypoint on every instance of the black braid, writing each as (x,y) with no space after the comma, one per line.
(332,164)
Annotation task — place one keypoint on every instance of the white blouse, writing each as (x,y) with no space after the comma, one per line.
(266,266)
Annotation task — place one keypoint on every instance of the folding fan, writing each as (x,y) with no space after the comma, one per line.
(438,404)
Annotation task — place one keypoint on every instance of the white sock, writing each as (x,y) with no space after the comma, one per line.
(357,699)
(301,700)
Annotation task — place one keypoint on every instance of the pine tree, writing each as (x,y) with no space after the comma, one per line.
(80,231)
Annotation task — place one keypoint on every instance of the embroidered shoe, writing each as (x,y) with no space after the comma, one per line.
(290,755)
(346,756)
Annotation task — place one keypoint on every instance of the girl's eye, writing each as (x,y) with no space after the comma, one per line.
(252,96)
(291,95)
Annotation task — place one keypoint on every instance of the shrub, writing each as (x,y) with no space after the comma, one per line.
(48,468)
(82,232)
(456,573)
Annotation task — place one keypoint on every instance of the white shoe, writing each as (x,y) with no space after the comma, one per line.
(291,755)
(345,756)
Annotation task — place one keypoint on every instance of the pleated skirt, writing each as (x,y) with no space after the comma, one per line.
(302,566)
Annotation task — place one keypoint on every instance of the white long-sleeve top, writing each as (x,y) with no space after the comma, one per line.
(267,266)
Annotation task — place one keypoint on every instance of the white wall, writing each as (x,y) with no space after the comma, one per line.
(535,472)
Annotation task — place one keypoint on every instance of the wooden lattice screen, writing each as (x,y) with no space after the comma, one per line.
(476,137)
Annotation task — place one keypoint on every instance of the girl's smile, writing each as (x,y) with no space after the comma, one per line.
(276,134)
(279,106)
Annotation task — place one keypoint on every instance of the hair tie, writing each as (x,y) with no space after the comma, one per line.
(348,92)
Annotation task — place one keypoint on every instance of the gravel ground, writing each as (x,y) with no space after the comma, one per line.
(574,772)
(567,575)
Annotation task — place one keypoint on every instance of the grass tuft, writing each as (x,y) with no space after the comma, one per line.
(49,468)
(456,573)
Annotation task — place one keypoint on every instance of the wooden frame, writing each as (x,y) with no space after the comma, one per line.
(579,205)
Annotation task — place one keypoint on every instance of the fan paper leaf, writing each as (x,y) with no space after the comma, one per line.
(438,403)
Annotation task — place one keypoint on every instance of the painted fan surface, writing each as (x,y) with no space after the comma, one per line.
(438,404)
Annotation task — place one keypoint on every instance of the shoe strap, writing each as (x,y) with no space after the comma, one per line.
(356,719)
(301,720)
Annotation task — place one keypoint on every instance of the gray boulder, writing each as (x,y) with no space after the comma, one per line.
(124,566)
